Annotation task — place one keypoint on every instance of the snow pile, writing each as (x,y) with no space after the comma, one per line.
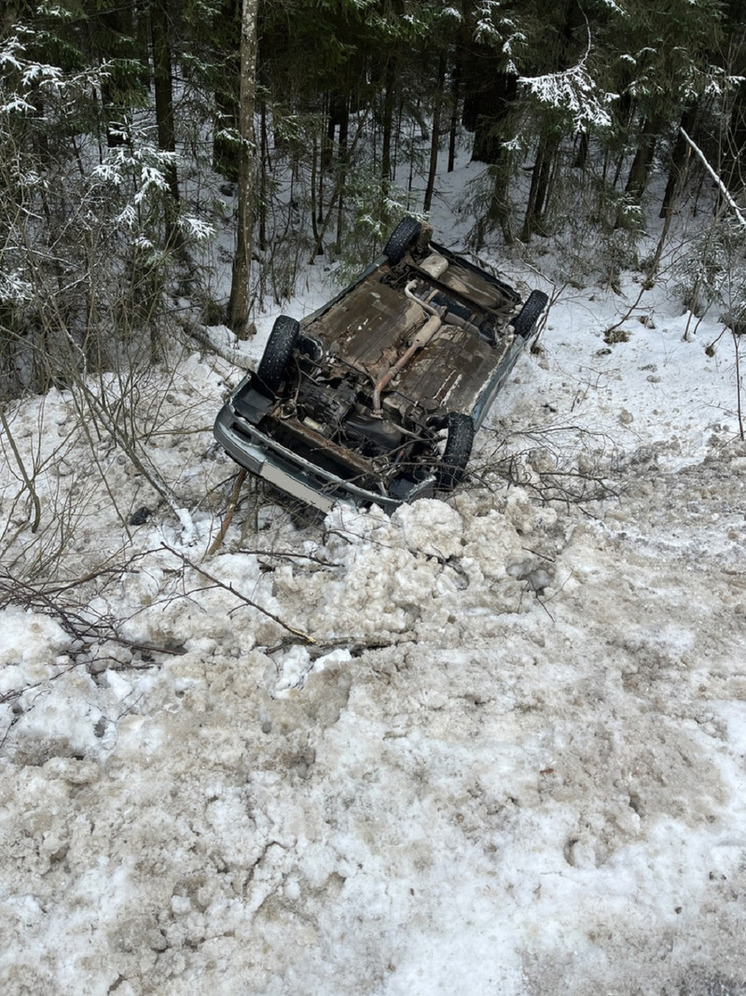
(489,744)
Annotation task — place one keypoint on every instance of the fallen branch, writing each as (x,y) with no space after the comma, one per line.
(723,189)
(84,628)
(28,481)
(239,595)
(288,555)
(198,332)
(355,645)
(240,478)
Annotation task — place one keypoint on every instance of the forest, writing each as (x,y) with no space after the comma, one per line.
(173,164)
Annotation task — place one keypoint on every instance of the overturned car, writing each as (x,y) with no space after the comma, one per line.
(376,396)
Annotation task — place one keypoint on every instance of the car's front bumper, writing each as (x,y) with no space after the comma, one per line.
(267,459)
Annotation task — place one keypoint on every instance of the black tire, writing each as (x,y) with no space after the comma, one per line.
(402,237)
(456,454)
(526,319)
(282,341)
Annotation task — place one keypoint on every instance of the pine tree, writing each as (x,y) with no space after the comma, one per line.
(239,301)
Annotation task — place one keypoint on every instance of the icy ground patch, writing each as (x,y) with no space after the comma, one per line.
(493,744)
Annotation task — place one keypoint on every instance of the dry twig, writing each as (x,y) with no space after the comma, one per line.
(217,543)
(239,595)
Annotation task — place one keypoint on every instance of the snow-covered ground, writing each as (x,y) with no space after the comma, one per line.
(493,744)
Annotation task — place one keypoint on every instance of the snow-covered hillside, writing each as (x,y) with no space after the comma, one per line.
(490,745)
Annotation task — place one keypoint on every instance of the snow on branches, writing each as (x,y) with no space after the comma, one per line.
(493,27)
(573,92)
(24,80)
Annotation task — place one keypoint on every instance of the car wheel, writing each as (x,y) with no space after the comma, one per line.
(282,341)
(401,239)
(457,450)
(526,319)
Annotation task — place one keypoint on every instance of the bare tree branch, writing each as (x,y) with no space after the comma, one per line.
(723,189)
(239,595)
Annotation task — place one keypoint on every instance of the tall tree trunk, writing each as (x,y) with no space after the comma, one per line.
(225,152)
(315,156)
(343,156)
(580,158)
(239,300)
(388,119)
(679,160)
(325,160)
(540,181)
(264,167)
(499,212)
(164,111)
(486,112)
(455,97)
(113,114)
(532,207)
(639,172)
(435,141)
(112,35)
(736,142)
